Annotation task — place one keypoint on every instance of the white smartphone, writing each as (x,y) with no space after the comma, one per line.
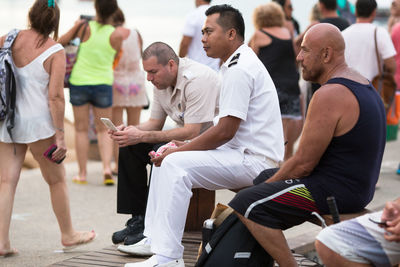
(107,122)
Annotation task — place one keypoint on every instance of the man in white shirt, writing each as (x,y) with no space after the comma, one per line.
(247,137)
(191,45)
(360,50)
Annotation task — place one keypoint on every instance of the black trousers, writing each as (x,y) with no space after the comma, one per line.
(132,178)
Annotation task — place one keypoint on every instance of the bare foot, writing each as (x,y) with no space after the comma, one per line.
(79,238)
(8,252)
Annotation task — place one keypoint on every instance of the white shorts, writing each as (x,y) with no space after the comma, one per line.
(360,240)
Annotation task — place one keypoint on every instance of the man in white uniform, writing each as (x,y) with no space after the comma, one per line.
(360,43)
(191,45)
(185,91)
(247,138)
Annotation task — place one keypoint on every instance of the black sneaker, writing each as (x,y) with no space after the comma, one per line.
(134,225)
(133,238)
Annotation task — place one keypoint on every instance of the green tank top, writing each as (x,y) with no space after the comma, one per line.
(95,58)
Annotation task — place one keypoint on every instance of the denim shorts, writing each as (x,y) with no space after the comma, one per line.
(99,96)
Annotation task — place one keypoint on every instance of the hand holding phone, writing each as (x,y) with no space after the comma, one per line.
(377,221)
(107,122)
(49,153)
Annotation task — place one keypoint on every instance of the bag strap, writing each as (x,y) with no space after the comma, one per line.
(83,34)
(377,53)
(86,24)
(10,38)
(77,30)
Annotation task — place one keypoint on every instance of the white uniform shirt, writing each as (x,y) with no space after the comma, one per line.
(192,28)
(360,48)
(194,98)
(249,94)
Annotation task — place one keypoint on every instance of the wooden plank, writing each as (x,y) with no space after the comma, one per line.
(111,257)
(201,206)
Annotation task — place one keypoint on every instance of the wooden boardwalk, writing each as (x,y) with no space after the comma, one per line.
(111,257)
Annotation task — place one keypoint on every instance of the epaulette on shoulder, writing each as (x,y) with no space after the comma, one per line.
(234,60)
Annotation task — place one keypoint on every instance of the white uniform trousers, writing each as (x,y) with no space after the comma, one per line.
(171,189)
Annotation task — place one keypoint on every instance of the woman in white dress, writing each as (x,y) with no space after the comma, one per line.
(129,91)
(39,68)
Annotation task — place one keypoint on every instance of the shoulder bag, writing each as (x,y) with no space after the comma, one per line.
(384,82)
(71,52)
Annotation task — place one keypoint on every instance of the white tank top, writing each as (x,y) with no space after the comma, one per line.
(33,121)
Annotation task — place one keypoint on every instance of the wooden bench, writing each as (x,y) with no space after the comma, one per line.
(201,206)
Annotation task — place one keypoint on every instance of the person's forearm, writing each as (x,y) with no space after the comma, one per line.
(180,134)
(291,169)
(149,126)
(210,139)
(184,46)
(183,50)
(57,109)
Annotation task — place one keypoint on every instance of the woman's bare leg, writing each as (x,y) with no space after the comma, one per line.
(117,114)
(133,119)
(104,142)
(10,170)
(81,122)
(133,115)
(54,175)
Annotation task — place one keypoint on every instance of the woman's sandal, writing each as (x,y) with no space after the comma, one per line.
(82,241)
(79,180)
(8,253)
(108,179)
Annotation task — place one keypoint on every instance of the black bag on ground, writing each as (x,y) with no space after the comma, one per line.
(232,245)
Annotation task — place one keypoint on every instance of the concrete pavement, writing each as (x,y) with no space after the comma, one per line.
(34,230)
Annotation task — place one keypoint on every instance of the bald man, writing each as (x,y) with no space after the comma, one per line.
(339,154)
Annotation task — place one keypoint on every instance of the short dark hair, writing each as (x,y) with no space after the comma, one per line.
(105,9)
(364,8)
(329,4)
(208,1)
(281,2)
(44,20)
(229,18)
(162,52)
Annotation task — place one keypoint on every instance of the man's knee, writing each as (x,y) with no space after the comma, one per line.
(325,253)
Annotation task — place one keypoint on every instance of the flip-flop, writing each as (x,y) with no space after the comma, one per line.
(9,253)
(108,179)
(80,242)
(79,180)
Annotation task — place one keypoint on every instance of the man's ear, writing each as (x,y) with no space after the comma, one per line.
(327,54)
(171,63)
(231,34)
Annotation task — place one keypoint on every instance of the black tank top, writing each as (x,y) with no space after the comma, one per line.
(350,166)
(279,59)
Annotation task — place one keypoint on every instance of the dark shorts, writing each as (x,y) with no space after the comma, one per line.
(99,96)
(289,104)
(278,205)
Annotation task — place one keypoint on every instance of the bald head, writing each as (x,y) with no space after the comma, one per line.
(325,35)
(322,50)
